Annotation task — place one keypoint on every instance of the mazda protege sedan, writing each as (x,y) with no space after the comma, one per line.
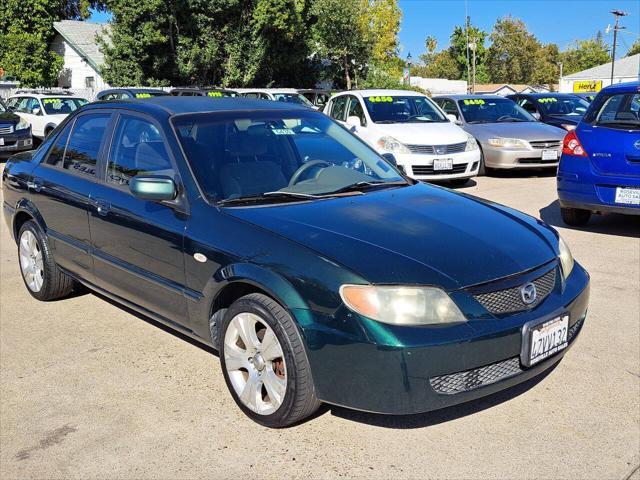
(318,270)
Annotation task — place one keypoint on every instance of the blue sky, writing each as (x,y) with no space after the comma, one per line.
(551,21)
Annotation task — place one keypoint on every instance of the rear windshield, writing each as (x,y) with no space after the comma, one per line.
(292,98)
(619,111)
(62,105)
(401,109)
(562,105)
(149,94)
(493,110)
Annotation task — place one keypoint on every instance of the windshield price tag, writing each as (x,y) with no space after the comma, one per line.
(474,101)
(381,99)
(282,131)
(214,94)
(55,101)
(547,100)
(143,95)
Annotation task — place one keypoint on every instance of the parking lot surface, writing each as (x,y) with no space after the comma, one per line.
(91,390)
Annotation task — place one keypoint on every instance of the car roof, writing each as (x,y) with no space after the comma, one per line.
(461,96)
(171,105)
(543,95)
(202,89)
(371,92)
(131,90)
(267,90)
(626,87)
(27,93)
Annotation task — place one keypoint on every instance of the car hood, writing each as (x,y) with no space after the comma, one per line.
(441,133)
(413,235)
(9,117)
(524,130)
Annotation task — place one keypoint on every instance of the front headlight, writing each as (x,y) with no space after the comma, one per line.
(566,259)
(471,144)
(390,144)
(22,124)
(402,305)
(508,143)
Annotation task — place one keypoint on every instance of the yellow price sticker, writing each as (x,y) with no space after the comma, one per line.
(143,95)
(214,94)
(474,101)
(381,99)
(47,101)
(547,100)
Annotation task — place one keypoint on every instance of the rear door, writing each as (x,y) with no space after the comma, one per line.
(138,243)
(610,133)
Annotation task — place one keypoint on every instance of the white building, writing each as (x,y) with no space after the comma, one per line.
(77,43)
(594,79)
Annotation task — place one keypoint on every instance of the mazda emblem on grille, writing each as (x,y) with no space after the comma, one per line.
(528,293)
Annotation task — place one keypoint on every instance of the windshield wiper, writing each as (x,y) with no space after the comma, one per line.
(287,196)
(362,186)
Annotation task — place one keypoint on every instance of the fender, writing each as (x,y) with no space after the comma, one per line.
(25,205)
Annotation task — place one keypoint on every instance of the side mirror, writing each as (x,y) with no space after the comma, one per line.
(389,157)
(35,110)
(153,187)
(453,119)
(354,121)
(535,115)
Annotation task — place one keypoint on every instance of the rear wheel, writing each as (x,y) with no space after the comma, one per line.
(41,275)
(264,362)
(575,217)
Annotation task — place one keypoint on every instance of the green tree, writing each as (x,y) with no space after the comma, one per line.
(338,36)
(512,55)
(458,51)
(585,54)
(381,20)
(442,65)
(546,69)
(26,30)
(635,48)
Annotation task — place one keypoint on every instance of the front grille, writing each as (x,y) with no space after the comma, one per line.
(6,129)
(543,144)
(509,300)
(438,149)
(428,170)
(479,377)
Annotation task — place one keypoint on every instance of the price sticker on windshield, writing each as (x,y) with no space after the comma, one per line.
(381,99)
(474,101)
(547,100)
(55,101)
(143,95)
(214,94)
(282,131)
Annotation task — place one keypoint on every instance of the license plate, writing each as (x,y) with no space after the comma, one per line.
(545,339)
(549,154)
(445,164)
(628,196)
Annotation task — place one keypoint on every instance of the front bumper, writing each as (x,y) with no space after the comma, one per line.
(512,158)
(406,370)
(16,142)
(420,167)
(580,186)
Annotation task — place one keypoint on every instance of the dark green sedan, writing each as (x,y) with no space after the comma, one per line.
(318,270)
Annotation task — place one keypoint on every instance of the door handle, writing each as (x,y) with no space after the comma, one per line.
(102,207)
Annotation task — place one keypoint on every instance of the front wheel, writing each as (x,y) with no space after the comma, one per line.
(264,362)
(41,275)
(575,217)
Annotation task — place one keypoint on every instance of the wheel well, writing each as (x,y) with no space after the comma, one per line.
(233,292)
(19,220)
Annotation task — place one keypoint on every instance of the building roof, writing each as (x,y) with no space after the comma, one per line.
(516,87)
(625,67)
(81,36)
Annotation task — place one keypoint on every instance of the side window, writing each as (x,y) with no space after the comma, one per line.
(322,99)
(57,149)
(22,104)
(137,148)
(339,107)
(251,95)
(527,105)
(355,110)
(33,104)
(264,96)
(449,107)
(84,143)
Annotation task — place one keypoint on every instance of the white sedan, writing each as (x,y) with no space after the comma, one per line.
(407,124)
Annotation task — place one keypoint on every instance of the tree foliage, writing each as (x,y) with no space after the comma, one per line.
(26,29)
(635,48)
(585,54)
(511,56)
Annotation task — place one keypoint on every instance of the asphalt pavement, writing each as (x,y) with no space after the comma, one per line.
(90,390)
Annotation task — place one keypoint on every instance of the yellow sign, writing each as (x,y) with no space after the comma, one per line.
(587,86)
(214,94)
(474,101)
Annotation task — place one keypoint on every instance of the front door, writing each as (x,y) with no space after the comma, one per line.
(138,243)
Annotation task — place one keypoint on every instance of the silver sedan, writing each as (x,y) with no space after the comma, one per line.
(508,135)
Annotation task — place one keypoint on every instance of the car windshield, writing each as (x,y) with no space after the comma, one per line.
(292,98)
(269,157)
(620,110)
(62,105)
(221,93)
(402,109)
(149,94)
(492,110)
(562,105)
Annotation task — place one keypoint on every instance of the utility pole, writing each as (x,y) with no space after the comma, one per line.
(472,47)
(617,14)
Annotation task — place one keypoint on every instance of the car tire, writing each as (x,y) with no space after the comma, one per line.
(264,362)
(40,273)
(483,170)
(575,217)
(458,182)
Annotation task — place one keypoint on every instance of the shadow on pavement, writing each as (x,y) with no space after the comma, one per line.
(439,416)
(522,172)
(610,224)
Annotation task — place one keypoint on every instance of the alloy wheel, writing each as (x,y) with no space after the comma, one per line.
(31,263)
(255,363)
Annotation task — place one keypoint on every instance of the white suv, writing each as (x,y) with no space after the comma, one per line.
(43,110)
(407,124)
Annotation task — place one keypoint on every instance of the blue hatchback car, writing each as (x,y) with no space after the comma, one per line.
(599,170)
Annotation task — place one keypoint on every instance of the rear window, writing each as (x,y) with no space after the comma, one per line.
(621,111)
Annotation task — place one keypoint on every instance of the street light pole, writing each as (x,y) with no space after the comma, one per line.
(617,14)
(472,47)
(409,61)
